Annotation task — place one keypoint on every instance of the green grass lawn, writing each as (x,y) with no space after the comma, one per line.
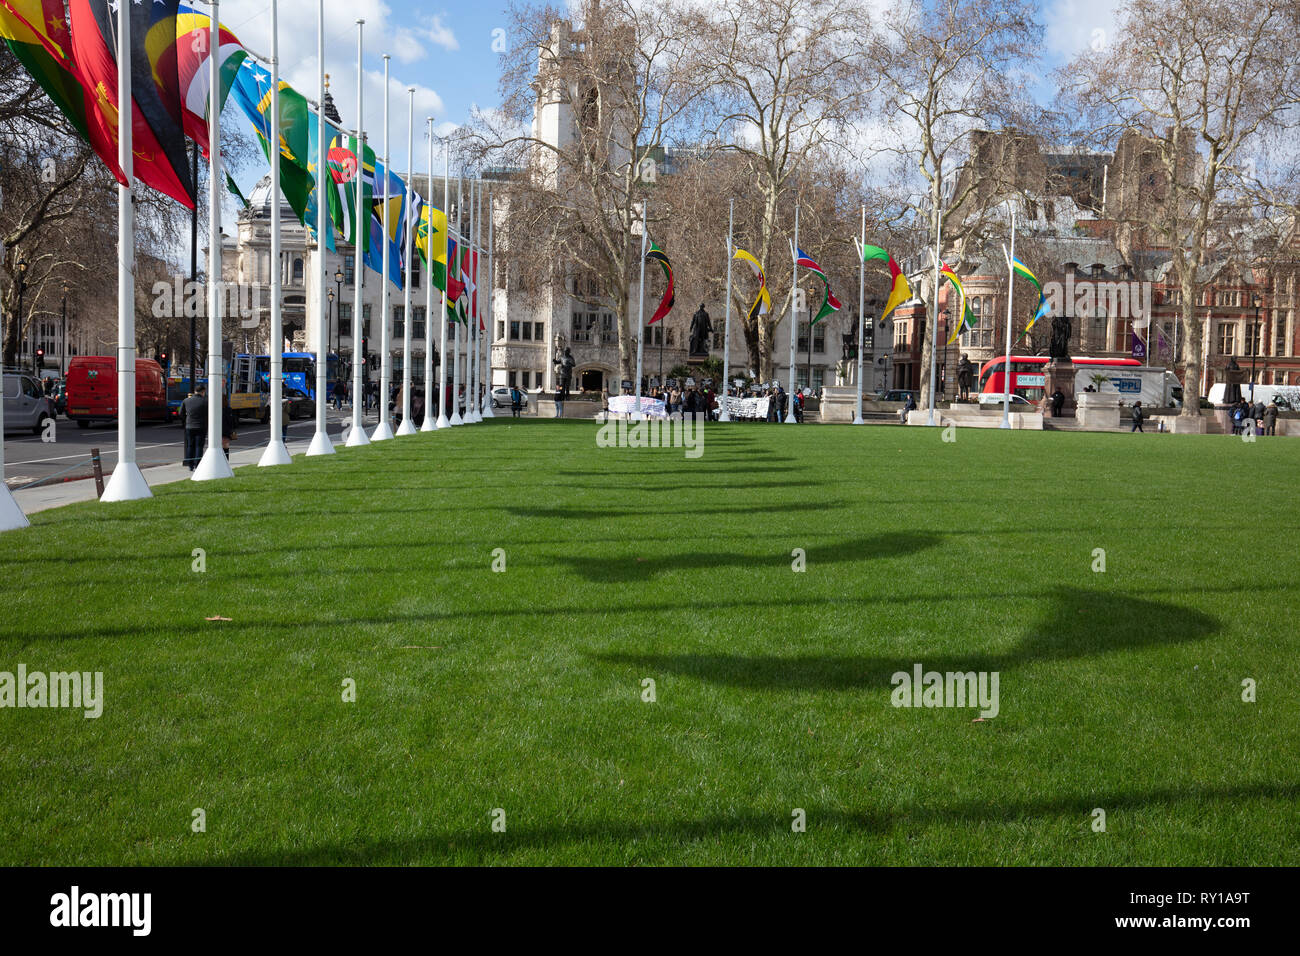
(522,690)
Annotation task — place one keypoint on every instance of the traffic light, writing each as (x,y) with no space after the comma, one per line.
(40,358)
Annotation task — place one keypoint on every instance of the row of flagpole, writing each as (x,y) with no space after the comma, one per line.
(127,482)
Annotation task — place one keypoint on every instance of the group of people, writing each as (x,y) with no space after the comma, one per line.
(1259,417)
(194,418)
(693,401)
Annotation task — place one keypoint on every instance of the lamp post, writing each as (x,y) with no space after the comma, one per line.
(338,328)
(22,287)
(63,365)
(1256,301)
(334,309)
(943,372)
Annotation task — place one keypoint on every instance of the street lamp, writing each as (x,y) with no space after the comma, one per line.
(22,287)
(943,372)
(63,366)
(1257,302)
(338,328)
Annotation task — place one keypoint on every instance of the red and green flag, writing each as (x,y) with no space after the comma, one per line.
(900,291)
(666,303)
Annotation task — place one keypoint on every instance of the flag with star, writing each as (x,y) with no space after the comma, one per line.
(251,90)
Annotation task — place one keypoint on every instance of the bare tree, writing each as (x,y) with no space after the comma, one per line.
(590,105)
(1193,88)
(952,68)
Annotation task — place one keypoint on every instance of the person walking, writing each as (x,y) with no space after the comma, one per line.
(228,422)
(1137,418)
(1270,418)
(517,398)
(194,413)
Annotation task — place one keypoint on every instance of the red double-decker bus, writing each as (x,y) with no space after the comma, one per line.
(1029,374)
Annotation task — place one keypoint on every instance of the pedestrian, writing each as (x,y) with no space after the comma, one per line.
(1270,418)
(1058,403)
(908,406)
(194,415)
(1137,418)
(1238,414)
(228,422)
(339,389)
(517,398)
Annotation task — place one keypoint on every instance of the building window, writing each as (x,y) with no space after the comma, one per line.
(523,379)
(297,270)
(417,322)
(528,331)
(539,332)
(349,270)
(501,329)
(345,315)
(514,329)
(1279,335)
(1255,338)
(654,334)
(818,339)
(399,321)
(415,272)
(1227,339)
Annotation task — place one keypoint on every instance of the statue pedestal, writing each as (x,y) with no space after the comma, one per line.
(1060,374)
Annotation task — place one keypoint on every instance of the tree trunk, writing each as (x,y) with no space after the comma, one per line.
(1192,385)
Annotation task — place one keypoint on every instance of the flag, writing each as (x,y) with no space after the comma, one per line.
(374,256)
(455,287)
(830,304)
(433,230)
(157,136)
(967,320)
(1044,308)
(666,303)
(901,291)
(233,187)
(190,49)
(311,217)
(251,90)
(342,160)
(762,301)
(37,33)
(413,219)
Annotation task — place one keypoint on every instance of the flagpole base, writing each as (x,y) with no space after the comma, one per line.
(442,422)
(320,444)
(275,454)
(383,432)
(11,515)
(487,410)
(724,417)
(427,425)
(791,420)
(407,428)
(456,419)
(859,420)
(213,465)
(356,436)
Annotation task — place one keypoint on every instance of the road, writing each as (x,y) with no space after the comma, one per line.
(29,460)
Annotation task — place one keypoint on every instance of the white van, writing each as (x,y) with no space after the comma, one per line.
(1287,396)
(26,406)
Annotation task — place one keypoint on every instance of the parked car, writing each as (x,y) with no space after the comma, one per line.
(900,395)
(92,390)
(991,398)
(501,397)
(27,407)
(297,404)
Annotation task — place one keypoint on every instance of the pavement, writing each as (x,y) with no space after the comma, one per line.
(56,494)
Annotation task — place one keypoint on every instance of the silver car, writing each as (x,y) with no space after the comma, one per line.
(26,406)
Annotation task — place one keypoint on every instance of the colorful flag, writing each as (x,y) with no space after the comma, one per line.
(901,291)
(37,33)
(342,159)
(1044,308)
(233,187)
(666,303)
(967,320)
(763,301)
(804,261)
(455,287)
(830,304)
(374,256)
(190,49)
(433,230)
(251,90)
(157,136)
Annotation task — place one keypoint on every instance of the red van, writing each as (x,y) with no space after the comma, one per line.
(92,390)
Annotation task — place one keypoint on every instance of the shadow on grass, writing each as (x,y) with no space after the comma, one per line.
(605,570)
(1076,623)
(583,514)
(756,824)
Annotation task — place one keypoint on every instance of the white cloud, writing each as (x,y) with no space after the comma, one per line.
(441,34)
(1072,26)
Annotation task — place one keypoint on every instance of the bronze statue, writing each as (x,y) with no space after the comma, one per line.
(1059,347)
(965,377)
(701,329)
(1234,375)
(563,371)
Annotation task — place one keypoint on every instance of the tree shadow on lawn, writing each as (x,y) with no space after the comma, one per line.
(750,824)
(1076,623)
(600,514)
(624,569)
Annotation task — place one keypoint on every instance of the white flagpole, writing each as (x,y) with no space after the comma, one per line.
(357,435)
(384,430)
(276,453)
(320,442)
(1011,288)
(862,322)
(640,315)
(214,463)
(408,427)
(426,425)
(472,328)
(794,316)
(725,415)
(491,317)
(127,483)
(443,421)
(460,247)
(475,404)
(934,310)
